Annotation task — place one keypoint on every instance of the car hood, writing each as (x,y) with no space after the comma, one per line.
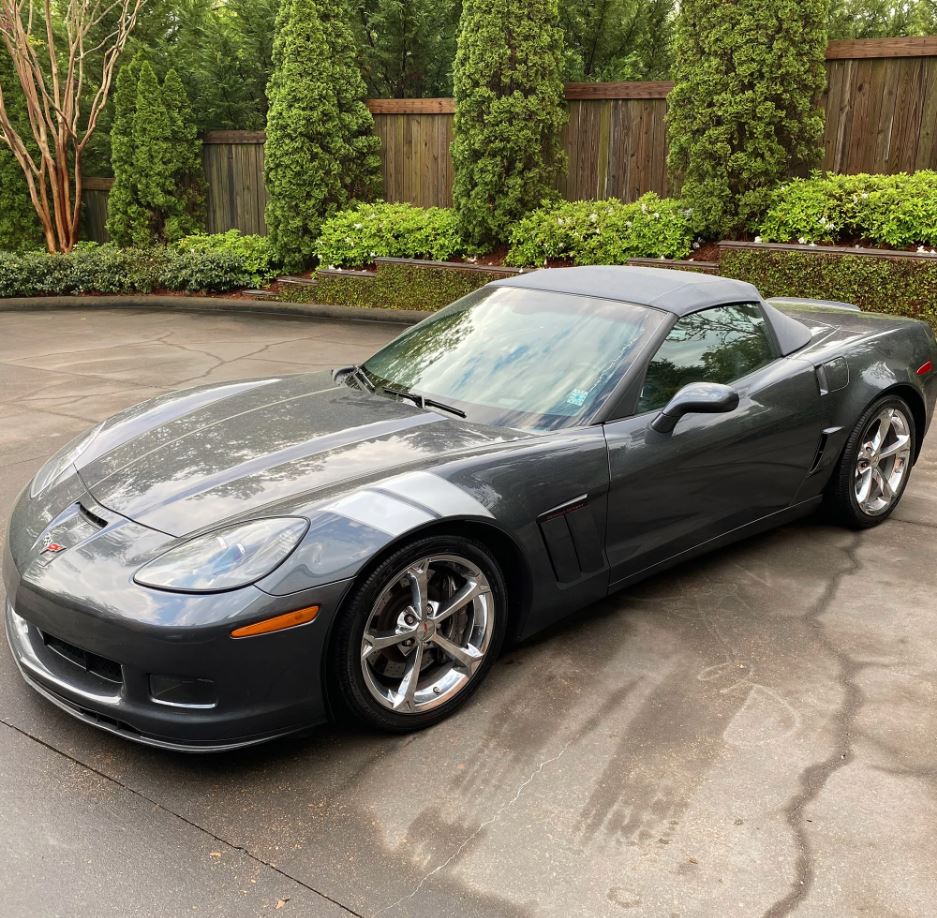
(217,453)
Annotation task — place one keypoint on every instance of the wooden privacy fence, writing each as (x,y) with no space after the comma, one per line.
(881,105)
(881,116)
(234,176)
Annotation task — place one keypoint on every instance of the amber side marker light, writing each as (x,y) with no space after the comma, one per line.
(278,622)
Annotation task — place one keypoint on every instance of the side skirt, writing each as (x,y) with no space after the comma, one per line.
(772,521)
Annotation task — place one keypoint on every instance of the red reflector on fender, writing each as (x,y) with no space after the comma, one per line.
(278,622)
(925,368)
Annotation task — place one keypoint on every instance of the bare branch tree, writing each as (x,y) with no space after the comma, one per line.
(53,47)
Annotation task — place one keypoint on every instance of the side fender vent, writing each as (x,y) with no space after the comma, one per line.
(572,539)
(824,455)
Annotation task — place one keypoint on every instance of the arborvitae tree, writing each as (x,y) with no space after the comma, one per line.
(509,113)
(188,213)
(321,151)
(360,148)
(152,157)
(158,193)
(19,226)
(126,219)
(744,112)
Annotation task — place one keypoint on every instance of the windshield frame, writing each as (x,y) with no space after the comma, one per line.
(622,373)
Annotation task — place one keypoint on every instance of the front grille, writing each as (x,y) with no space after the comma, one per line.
(101,667)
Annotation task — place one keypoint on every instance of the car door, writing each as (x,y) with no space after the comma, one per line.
(714,472)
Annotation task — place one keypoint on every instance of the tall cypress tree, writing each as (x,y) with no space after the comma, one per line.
(188,212)
(158,192)
(362,149)
(152,157)
(744,113)
(509,113)
(126,219)
(321,151)
(19,226)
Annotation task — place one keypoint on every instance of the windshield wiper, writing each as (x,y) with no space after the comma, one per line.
(432,403)
(422,402)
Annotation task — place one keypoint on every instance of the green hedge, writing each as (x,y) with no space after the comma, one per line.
(899,286)
(355,237)
(602,232)
(253,255)
(396,286)
(896,210)
(197,264)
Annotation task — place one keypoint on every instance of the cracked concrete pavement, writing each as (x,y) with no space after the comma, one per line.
(751,734)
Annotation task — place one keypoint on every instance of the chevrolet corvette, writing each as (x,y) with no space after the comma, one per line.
(224,565)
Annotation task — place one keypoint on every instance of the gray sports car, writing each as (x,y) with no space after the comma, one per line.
(236,562)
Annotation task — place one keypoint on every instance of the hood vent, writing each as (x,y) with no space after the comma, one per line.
(91,517)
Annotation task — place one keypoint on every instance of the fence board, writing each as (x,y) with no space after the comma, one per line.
(881,116)
(926,151)
(854,49)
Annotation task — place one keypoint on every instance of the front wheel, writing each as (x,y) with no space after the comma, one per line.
(420,632)
(875,466)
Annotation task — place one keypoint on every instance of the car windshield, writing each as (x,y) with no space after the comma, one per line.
(513,357)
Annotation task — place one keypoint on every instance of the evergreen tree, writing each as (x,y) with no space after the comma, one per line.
(152,158)
(509,113)
(321,151)
(617,39)
(188,213)
(877,18)
(743,114)
(126,219)
(158,192)
(19,226)
(407,46)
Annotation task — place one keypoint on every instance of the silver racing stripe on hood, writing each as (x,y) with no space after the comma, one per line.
(346,532)
(406,502)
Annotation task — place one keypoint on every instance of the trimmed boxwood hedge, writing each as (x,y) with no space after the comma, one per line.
(422,285)
(901,286)
(197,264)
(397,285)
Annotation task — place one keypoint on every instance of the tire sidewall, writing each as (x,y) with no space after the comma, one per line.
(349,682)
(846,484)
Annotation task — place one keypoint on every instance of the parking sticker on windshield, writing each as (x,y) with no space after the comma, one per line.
(577,398)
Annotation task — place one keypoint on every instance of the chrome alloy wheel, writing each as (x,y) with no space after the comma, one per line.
(883,461)
(428,632)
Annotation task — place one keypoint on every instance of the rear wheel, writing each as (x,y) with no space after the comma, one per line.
(420,632)
(875,466)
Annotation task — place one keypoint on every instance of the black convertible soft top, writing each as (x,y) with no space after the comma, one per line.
(679,292)
(675,291)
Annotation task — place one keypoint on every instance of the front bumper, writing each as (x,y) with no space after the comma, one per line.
(89,641)
(88,703)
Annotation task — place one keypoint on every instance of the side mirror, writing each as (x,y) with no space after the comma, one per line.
(696,398)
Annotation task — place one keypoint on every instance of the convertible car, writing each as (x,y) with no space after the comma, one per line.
(240,561)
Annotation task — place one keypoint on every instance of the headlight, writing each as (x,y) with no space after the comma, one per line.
(225,559)
(59,464)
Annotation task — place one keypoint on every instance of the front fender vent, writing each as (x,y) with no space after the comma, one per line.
(572,539)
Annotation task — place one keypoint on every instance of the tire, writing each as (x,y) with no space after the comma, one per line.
(862,462)
(453,649)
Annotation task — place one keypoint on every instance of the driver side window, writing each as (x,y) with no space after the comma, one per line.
(715,345)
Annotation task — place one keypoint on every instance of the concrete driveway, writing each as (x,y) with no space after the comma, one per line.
(751,734)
